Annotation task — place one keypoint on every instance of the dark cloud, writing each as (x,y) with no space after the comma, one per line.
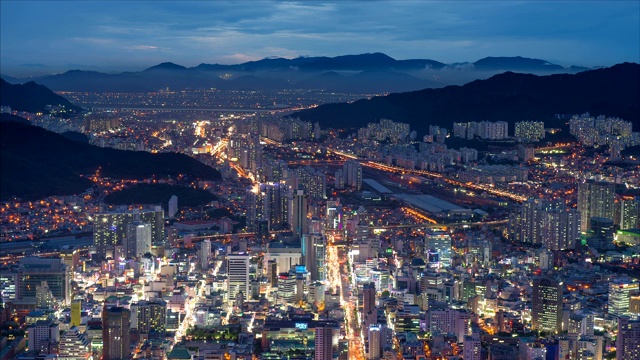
(140,34)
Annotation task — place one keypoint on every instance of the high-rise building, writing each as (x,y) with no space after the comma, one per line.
(439,242)
(299,213)
(116,322)
(110,228)
(547,304)
(138,239)
(595,199)
(352,174)
(287,288)
(472,347)
(42,336)
(268,202)
(237,275)
(324,343)
(374,348)
(313,255)
(204,253)
(628,341)
(76,312)
(149,316)
(32,271)
(629,213)
(620,291)
(548,223)
(172,206)
(74,346)
(369,298)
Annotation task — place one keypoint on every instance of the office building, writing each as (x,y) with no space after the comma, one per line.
(138,239)
(374,346)
(439,242)
(149,317)
(313,255)
(547,305)
(116,322)
(472,347)
(628,341)
(287,288)
(368,298)
(43,336)
(620,292)
(595,199)
(74,346)
(32,271)
(324,343)
(237,276)
(204,253)
(298,213)
(76,313)
(172,207)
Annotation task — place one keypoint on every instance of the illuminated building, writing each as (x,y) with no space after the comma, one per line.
(287,288)
(285,255)
(74,346)
(116,322)
(299,213)
(32,271)
(149,316)
(619,295)
(324,343)
(595,199)
(529,130)
(204,253)
(237,275)
(138,239)
(44,296)
(352,172)
(282,336)
(313,255)
(628,341)
(472,348)
(629,213)
(110,228)
(440,242)
(43,335)
(547,305)
(374,348)
(76,312)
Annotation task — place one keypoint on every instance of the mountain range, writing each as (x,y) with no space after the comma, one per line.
(36,163)
(510,97)
(364,73)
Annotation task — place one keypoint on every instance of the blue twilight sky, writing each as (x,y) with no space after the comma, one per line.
(38,37)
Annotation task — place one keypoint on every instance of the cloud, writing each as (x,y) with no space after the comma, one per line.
(147,47)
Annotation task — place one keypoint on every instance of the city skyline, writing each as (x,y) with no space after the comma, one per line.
(132,36)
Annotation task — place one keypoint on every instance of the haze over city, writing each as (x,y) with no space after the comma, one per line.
(320,180)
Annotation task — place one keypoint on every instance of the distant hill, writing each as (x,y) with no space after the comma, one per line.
(507,97)
(11,117)
(36,163)
(365,73)
(31,97)
(160,194)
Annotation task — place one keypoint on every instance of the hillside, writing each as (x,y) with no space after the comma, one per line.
(507,97)
(36,163)
(160,194)
(31,97)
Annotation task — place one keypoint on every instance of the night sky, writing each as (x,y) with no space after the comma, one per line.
(43,37)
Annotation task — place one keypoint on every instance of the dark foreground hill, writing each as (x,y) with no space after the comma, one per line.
(36,163)
(31,97)
(160,194)
(507,97)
